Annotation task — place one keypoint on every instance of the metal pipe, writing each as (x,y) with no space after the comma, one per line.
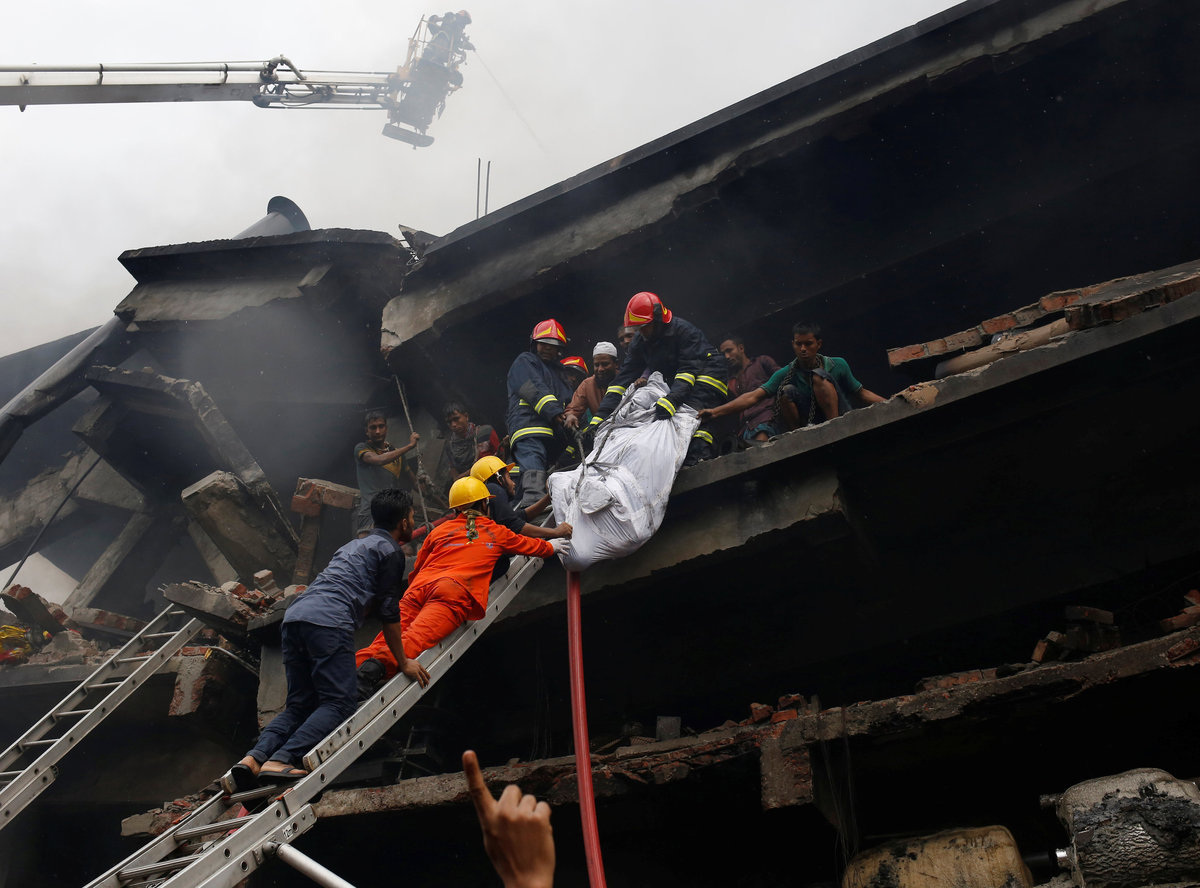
(305,865)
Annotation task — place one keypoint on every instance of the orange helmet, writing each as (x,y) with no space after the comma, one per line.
(644,308)
(549,330)
(577,362)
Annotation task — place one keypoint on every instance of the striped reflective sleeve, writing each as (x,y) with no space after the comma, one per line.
(543,402)
(615,390)
(689,378)
(703,435)
(666,405)
(715,383)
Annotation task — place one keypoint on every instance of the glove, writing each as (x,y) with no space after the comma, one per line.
(663,409)
(562,546)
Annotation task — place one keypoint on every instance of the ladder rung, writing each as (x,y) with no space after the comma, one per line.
(10,775)
(138,659)
(165,866)
(103,685)
(160,635)
(72,712)
(260,793)
(29,743)
(219,826)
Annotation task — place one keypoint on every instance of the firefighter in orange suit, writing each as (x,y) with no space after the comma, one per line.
(449,583)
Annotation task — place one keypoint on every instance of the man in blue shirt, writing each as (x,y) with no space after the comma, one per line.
(318,644)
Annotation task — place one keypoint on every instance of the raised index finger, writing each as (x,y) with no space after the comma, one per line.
(480,794)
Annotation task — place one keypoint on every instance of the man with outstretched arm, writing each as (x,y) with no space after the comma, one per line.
(812,388)
(318,644)
(377,466)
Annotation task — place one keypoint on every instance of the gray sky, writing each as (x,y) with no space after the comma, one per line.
(593,79)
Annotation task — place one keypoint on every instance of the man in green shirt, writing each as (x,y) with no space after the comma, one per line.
(809,390)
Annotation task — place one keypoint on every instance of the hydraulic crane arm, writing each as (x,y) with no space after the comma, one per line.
(275,82)
(412,96)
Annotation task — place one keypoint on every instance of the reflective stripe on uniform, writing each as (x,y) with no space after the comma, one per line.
(689,378)
(523,402)
(666,405)
(531,430)
(596,420)
(703,435)
(615,389)
(542,403)
(715,383)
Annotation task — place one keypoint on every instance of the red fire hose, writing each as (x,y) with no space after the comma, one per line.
(583,755)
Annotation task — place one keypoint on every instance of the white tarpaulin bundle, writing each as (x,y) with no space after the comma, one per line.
(615,499)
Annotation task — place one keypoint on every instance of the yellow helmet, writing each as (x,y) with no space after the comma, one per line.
(486,466)
(467,490)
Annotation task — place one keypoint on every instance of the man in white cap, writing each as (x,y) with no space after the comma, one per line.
(591,391)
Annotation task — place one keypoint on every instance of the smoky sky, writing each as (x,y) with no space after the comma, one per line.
(591,79)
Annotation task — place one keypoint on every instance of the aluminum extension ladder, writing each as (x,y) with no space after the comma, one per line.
(31,763)
(228,837)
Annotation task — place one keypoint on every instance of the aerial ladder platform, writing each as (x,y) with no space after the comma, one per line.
(229,836)
(30,764)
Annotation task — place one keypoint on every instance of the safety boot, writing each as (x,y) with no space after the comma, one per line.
(369,677)
(533,487)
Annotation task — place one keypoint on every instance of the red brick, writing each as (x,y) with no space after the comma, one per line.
(937,347)
(907,353)
(790,701)
(1192,596)
(759,712)
(998,325)
(785,715)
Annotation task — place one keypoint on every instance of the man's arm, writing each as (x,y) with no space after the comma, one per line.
(866,396)
(562,531)
(371,458)
(737,405)
(410,667)
(516,831)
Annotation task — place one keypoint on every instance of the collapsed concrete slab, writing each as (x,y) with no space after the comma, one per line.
(250,538)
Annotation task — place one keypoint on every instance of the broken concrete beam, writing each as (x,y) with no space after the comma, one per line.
(954,679)
(66,649)
(250,538)
(118,581)
(35,611)
(786,777)
(219,608)
(313,493)
(218,565)
(94,622)
(203,686)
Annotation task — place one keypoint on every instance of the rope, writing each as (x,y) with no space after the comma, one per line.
(420,465)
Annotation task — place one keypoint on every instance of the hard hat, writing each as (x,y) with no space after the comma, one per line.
(577,362)
(467,490)
(644,308)
(486,466)
(550,331)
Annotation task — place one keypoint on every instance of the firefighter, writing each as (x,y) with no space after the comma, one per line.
(494,473)
(694,370)
(449,584)
(538,393)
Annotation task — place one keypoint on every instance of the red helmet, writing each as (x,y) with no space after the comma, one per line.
(550,330)
(577,362)
(644,308)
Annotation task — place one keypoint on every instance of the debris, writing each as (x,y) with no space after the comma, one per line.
(33,610)
(983,857)
(249,537)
